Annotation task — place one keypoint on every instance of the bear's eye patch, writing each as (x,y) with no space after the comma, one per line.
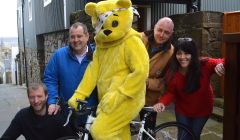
(115,15)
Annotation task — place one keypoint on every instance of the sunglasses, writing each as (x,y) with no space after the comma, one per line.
(185,39)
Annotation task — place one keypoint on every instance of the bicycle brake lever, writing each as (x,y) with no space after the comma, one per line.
(68,117)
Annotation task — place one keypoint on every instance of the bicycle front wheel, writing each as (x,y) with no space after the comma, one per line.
(173,131)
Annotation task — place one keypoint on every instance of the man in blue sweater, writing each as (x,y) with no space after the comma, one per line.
(33,122)
(66,68)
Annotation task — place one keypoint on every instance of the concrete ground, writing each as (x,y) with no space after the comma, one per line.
(211,131)
(13,98)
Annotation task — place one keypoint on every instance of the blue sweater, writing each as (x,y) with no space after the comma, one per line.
(64,73)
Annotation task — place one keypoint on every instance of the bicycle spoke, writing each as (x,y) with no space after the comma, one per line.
(173,131)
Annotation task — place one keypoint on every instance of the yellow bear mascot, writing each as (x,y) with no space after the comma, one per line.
(119,70)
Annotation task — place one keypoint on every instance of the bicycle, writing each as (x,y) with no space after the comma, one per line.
(164,131)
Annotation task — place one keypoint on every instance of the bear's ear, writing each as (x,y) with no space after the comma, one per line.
(90,9)
(124,3)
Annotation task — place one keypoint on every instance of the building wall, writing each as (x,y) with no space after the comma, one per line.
(46,32)
(55,16)
(52,42)
(45,20)
(5,63)
(49,18)
(38,58)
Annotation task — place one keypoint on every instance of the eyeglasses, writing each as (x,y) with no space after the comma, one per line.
(185,39)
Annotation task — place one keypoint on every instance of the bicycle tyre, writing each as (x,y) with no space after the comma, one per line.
(172,131)
(70,138)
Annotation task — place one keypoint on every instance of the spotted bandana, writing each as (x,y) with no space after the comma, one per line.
(102,18)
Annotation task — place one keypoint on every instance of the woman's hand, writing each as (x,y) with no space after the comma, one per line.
(159,107)
(219,69)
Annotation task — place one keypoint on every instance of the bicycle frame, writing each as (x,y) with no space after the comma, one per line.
(142,130)
(89,122)
(91,118)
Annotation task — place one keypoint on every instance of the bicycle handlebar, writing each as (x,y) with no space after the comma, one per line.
(68,117)
(148,108)
(83,110)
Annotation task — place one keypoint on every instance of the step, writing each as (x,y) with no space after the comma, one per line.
(217,114)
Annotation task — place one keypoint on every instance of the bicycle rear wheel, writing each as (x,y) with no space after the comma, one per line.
(172,131)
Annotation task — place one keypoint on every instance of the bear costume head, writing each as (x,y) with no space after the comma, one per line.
(112,19)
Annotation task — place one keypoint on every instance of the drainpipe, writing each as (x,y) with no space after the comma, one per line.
(18,56)
(65,13)
(15,71)
(199,5)
(24,46)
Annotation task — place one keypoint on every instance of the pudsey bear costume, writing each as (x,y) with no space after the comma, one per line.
(119,70)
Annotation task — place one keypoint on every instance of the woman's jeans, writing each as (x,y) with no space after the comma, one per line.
(195,124)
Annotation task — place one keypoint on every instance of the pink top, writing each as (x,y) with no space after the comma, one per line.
(197,104)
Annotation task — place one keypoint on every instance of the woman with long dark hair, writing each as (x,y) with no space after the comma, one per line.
(189,85)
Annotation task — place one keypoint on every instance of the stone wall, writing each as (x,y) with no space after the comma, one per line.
(206,29)
(33,71)
(52,42)
(21,65)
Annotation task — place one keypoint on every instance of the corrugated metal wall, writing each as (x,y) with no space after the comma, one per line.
(82,4)
(220,5)
(29,26)
(19,23)
(166,9)
(159,10)
(49,18)
(52,17)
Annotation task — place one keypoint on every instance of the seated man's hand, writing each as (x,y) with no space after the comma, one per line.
(111,101)
(53,109)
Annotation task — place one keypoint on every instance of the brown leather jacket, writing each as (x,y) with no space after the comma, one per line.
(157,64)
